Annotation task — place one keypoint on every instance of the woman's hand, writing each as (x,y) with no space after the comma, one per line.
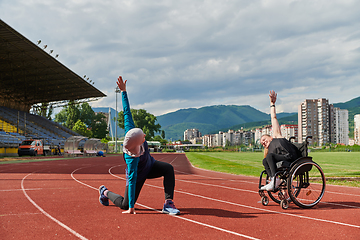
(130,211)
(272,97)
(121,84)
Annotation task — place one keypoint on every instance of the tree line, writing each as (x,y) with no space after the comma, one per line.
(83,120)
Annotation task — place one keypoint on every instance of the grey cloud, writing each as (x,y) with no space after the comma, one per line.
(176,54)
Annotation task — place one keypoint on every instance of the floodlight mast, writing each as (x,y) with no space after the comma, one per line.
(117,90)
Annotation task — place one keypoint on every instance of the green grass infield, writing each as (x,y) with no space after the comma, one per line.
(340,168)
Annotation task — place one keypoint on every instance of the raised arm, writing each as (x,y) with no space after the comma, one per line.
(131,162)
(128,120)
(274,122)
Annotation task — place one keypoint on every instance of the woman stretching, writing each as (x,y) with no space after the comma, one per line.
(140,166)
(276,147)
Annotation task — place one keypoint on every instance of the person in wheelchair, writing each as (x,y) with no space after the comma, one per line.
(277,148)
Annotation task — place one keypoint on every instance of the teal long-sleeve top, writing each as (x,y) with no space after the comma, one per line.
(137,167)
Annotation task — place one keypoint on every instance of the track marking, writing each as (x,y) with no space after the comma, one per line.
(186,219)
(213,185)
(349,194)
(231,180)
(27,189)
(48,215)
(174,160)
(200,223)
(338,204)
(250,207)
(339,193)
(245,190)
(18,214)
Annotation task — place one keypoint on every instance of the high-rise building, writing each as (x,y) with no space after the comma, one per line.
(322,121)
(340,126)
(357,129)
(314,120)
(191,133)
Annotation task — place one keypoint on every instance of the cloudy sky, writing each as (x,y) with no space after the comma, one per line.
(190,54)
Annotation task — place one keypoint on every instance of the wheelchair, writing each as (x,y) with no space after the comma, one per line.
(302,181)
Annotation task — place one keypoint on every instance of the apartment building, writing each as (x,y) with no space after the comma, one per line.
(314,120)
(357,129)
(289,130)
(232,137)
(339,133)
(191,134)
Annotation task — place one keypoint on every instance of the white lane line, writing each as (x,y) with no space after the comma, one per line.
(202,224)
(340,193)
(27,189)
(203,176)
(338,204)
(48,215)
(72,175)
(205,170)
(186,219)
(213,178)
(250,207)
(213,185)
(245,190)
(18,214)
(174,160)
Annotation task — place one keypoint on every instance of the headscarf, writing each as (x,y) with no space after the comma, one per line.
(133,142)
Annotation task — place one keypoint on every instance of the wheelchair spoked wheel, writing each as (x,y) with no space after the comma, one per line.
(279,195)
(306,184)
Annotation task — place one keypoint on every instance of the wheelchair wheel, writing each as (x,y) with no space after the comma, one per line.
(278,195)
(306,184)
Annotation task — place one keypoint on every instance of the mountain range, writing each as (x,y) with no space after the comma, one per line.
(212,119)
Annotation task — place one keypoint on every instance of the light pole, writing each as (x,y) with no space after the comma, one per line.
(117,90)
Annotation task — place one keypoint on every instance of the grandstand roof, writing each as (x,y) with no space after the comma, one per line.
(30,75)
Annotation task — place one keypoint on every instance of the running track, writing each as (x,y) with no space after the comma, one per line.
(59,200)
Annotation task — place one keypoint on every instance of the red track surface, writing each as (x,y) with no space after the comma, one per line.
(59,200)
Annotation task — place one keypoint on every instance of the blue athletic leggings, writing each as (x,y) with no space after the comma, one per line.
(159,169)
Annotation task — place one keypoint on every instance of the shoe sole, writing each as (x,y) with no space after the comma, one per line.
(173,214)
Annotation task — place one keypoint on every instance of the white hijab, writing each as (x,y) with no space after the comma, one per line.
(133,142)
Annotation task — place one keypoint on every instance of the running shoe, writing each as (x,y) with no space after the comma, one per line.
(169,208)
(103,199)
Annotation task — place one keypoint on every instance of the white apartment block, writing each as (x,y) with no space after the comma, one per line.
(231,136)
(191,133)
(357,129)
(340,126)
(262,131)
(289,130)
(314,120)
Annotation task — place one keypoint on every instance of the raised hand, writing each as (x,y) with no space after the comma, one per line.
(272,97)
(121,84)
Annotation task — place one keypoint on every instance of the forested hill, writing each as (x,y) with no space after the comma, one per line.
(209,119)
(213,119)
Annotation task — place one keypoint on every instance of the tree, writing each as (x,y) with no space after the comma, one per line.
(61,117)
(99,126)
(159,139)
(142,119)
(162,134)
(95,124)
(87,115)
(45,110)
(81,129)
(73,114)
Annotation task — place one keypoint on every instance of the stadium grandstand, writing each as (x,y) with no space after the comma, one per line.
(30,76)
